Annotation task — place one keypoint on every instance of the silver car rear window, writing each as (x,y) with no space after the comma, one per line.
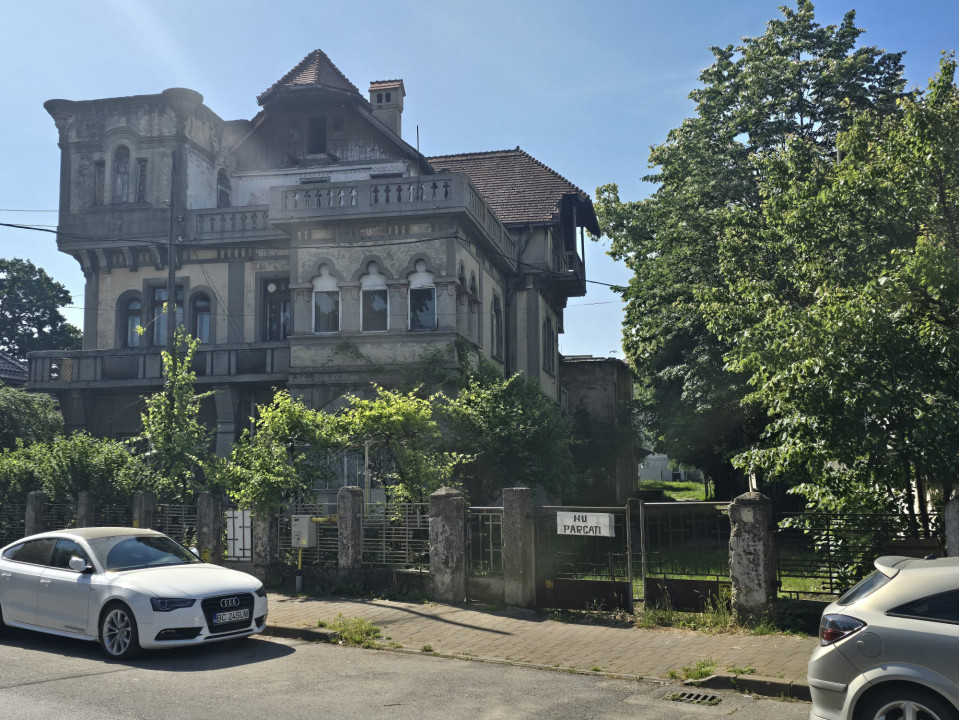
(867,586)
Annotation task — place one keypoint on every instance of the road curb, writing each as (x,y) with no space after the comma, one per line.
(755,684)
(312,634)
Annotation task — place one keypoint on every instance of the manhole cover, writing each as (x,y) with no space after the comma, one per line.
(695,698)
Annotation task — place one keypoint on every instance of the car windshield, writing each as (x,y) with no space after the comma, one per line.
(127,552)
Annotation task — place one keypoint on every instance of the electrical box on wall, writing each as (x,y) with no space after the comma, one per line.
(304,531)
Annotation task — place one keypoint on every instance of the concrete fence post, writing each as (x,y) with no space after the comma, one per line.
(33,522)
(86,505)
(349,528)
(209,528)
(144,504)
(752,556)
(448,545)
(952,527)
(519,588)
(264,544)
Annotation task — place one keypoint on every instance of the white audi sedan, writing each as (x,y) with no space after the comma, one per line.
(127,588)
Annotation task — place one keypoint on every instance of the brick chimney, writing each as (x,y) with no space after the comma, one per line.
(386,97)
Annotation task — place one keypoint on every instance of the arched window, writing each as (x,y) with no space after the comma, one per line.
(159,309)
(422,298)
(222,189)
(497,327)
(326,302)
(121,174)
(461,276)
(473,290)
(549,346)
(200,312)
(375,307)
(132,319)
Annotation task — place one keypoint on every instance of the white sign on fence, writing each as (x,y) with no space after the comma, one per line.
(585,523)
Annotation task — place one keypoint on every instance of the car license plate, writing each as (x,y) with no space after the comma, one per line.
(231,616)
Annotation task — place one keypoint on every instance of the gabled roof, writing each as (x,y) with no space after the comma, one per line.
(11,371)
(519,188)
(317,71)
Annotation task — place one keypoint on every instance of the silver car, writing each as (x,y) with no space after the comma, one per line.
(889,647)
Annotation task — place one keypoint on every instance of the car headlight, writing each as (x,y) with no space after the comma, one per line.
(260,591)
(167,604)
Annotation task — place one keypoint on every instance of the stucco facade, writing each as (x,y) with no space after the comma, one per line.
(312,249)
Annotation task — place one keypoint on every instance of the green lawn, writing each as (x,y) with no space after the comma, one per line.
(688,490)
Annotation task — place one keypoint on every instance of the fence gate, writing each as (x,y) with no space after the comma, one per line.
(239,535)
(584,557)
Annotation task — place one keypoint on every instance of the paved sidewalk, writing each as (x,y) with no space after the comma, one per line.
(526,637)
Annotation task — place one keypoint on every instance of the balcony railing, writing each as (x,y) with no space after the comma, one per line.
(89,368)
(384,198)
(244,223)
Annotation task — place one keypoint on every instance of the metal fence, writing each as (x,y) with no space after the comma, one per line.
(396,535)
(327,550)
(484,541)
(177,522)
(113,516)
(579,557)
(12,522)
(238,534)
(685,539)
(57,516)
(826,553)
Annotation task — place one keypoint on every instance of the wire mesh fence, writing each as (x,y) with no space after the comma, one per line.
(396,535)
(484,541)
(177,522)
(326,551)
(112,516)
(12,522)
(578,556)
(57,516)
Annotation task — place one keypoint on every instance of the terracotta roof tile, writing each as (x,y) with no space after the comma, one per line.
(518,187)
(315,70)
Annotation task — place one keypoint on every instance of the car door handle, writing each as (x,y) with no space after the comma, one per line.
(5,576)
(45,581)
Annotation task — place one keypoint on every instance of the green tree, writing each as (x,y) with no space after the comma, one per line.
(27,417)
(71,464)
(511,434)
(797,80)
(177,444)
(30,318)
(407,453)
(850,337)
(285,457)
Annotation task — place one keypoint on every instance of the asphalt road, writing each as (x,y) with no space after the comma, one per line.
(48,678)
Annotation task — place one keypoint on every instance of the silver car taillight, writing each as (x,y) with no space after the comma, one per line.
(835,627)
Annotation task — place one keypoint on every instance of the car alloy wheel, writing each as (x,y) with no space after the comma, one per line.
(118,632)
(907,704)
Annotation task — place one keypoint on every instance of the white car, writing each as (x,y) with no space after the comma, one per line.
(126,587)
(889,647)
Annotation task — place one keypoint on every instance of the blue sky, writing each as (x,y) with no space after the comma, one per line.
(585,87)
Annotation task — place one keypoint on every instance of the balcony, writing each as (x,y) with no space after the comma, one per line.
(141,370)
(570,273)
(390,199)
(231,224)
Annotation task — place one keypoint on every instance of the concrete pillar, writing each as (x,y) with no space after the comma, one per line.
(752,556)
(85,509)
(144,504)
(264,544)
(448,545)
(399,305)
(952,527)
(33,522)
(209,528)
(519,588)
(349,521)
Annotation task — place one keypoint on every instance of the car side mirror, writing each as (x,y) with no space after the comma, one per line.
(196,552)
(78,564)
